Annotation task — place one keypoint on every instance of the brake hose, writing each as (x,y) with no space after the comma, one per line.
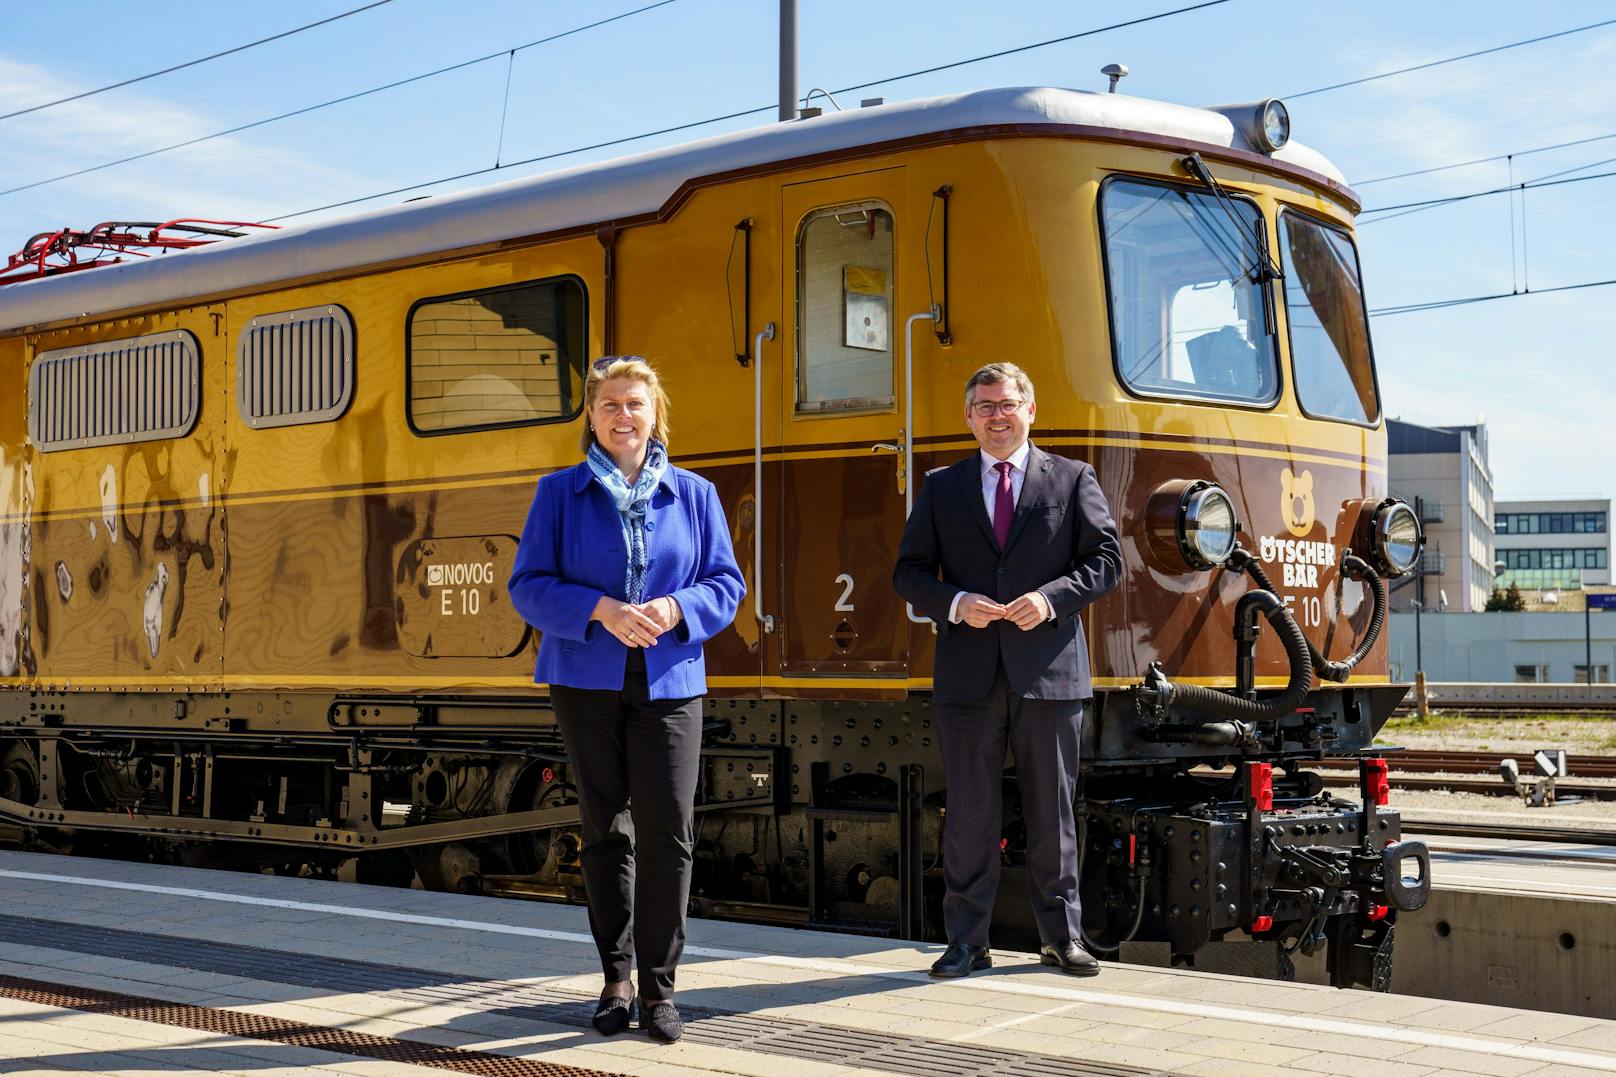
(1164,693)
(1354,568)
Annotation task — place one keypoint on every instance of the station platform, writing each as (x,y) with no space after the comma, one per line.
(132,968)
(1558,869)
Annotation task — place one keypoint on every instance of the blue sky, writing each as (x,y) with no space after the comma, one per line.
(1538,368)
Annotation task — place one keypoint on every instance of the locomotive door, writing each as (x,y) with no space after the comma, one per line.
(841,497)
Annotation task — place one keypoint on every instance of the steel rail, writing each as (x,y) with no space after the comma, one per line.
(1454,783)
(1476,762)
(1508,832)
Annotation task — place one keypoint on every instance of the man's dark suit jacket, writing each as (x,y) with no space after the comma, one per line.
(1062,542)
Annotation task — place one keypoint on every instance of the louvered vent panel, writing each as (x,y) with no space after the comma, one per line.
(295,367)
(115,392)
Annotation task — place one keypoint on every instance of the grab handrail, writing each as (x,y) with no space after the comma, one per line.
(909,433)
(767,621)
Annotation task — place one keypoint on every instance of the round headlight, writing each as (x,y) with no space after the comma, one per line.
(1273,125)
(1398,537)
(1206,525)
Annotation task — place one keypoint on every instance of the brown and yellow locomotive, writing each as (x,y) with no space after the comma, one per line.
(258,502)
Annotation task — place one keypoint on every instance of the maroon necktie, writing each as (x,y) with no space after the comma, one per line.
(1004,504)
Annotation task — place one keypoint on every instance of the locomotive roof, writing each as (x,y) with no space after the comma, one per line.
(612,190)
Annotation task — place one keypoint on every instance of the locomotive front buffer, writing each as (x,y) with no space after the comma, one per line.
(1225,845)
(1281,863)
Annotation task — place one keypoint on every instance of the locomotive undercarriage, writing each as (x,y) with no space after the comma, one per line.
(825,814)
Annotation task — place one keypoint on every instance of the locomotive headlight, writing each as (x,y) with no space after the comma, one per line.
(1206,525)
(1265,125)
(1273,125)
(1397,537)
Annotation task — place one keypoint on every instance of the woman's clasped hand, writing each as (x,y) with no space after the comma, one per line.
(637,624)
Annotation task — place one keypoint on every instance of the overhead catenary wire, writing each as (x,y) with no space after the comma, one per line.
(1440,304)
(1035,45)
(334,101)
(193,63)
(1485,160)
(740,113)
(1449,60)
(1524,185)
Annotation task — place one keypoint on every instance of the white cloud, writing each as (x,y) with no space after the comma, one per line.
(228,177)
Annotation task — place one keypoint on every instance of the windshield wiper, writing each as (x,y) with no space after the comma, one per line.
(1263,269)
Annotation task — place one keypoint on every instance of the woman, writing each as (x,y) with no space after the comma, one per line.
(625,566)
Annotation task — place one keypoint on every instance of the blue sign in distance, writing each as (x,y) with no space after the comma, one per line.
(1602,602)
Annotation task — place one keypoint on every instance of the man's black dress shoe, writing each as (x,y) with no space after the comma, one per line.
(1070,958)
(961,959)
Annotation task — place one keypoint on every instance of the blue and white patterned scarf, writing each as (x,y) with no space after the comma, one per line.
(632,504)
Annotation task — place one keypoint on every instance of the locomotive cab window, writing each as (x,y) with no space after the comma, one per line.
(1329,327)
(497,357)
(844,309)
(1187,319)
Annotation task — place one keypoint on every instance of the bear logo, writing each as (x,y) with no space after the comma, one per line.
(1296,506)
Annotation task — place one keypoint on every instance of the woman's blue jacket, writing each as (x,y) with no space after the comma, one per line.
(572,552)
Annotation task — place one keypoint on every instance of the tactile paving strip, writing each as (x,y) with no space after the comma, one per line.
(252,1026)
(890,1052)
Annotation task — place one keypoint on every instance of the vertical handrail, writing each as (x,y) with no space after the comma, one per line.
(909,434)
(766,333)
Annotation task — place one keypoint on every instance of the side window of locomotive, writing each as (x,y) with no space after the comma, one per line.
(144,388)
(844,310)
(1329,327)
(1186,318)
(497,357)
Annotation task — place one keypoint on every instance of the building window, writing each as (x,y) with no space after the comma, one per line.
(1186,318)
(1579,673)
(844,309)
(1531,674)
(295,367)
(498,357)
(1587,557)
(1547,523)
(144,388)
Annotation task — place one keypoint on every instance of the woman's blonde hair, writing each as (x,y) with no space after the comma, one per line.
(635,367)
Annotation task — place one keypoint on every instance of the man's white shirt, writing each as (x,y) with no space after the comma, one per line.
(990,496)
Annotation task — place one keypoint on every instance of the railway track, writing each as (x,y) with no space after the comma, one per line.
(1564,790)
(1415,827)
(1477,772)
(1429,762)
(1460,709)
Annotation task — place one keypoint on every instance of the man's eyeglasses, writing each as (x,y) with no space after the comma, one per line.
(987,409)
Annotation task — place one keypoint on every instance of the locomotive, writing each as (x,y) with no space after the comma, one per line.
(259,500)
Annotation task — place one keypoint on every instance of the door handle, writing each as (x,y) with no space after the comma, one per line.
(885,446)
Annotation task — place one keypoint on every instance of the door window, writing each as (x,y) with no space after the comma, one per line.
(844,310)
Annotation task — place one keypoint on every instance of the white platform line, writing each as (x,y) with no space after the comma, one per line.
(1605,1062)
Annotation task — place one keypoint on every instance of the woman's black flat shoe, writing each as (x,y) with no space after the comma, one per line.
(661,1021)
(613,1015)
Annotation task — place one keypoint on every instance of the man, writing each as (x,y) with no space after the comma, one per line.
(1003,551)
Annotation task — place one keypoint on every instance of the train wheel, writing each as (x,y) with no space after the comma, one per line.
(530,852)
(452,869)
(19,774)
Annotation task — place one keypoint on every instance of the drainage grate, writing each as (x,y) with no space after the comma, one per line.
(252,1026)
(763,1034)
